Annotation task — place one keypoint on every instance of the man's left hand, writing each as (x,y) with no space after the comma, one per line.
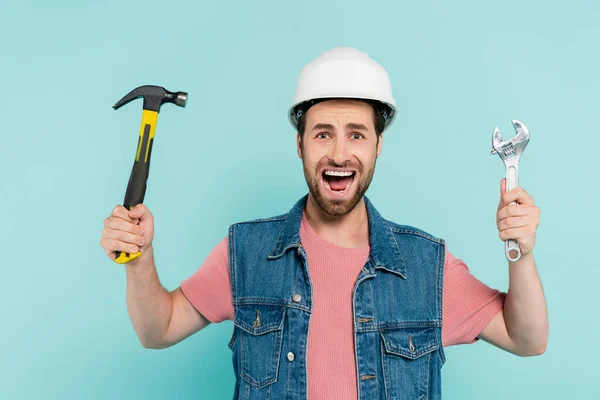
(518,221)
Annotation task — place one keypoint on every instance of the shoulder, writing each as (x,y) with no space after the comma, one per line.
(409,231)
(269,220)
(260,222)
(265,228)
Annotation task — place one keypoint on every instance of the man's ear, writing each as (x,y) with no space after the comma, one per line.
(299,145)
(379,144)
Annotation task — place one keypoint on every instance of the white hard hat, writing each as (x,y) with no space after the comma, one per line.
(343,72)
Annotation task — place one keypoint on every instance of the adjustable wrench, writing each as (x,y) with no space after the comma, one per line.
(510,152)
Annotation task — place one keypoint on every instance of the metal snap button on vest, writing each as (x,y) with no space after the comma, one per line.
(296,298)
(256,322)
(290,356)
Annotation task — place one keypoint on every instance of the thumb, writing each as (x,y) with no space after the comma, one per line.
(138,211)
(502,190)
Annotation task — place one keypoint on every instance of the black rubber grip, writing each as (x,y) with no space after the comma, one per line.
(136,188)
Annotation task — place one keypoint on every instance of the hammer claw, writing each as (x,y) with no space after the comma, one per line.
(134,94)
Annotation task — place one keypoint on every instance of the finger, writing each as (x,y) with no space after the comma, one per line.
(517,233)
(513,222)
(125,237)
(116,245)
(138,211)
(107,221)
(512,211)
(502,190)
(121,212)
(119,224)
(517,194)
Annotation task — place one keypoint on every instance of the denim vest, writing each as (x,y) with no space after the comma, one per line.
(397,310)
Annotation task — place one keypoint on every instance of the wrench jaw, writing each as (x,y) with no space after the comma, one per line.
(511,150)
(522,137)
(522,131)
(496,141)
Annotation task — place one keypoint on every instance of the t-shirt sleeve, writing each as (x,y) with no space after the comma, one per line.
(469,305)
(208,289)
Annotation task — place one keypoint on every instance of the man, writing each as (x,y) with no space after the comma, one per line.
(331,300)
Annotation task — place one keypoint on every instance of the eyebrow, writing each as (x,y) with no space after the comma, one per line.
(350,125)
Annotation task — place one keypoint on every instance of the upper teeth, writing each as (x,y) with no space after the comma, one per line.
(339,173)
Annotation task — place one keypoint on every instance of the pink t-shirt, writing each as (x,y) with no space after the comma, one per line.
(468,305)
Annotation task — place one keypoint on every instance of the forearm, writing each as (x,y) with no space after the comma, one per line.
(148,303)
(525,309)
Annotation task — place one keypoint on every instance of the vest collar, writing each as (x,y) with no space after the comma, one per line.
(384,251)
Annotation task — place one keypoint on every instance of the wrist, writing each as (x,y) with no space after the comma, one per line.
(146,254)
(525,258)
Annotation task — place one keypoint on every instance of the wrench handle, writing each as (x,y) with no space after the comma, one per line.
(512,181)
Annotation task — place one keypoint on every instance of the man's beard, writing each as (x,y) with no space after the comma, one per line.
(334,207)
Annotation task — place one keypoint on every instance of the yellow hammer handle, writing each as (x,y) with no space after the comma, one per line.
(136,188)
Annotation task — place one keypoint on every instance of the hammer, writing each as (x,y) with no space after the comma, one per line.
(154,97)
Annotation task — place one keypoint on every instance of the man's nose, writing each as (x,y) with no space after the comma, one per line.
(340,151)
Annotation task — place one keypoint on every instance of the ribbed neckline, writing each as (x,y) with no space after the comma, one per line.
(314,236)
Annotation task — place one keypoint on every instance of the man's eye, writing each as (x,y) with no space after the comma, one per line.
(358,134)
(322,134)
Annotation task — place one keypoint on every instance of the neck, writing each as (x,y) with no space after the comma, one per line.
(350,230)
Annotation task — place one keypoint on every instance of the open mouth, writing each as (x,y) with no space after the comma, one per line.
(338,181)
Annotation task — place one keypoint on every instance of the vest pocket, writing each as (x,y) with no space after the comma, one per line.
(259,340)
(406,361)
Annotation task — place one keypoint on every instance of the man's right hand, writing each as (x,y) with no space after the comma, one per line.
(128,231)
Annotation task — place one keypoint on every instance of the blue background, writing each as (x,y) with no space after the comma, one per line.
(458,69)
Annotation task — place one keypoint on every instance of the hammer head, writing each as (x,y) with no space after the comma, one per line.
(154,97)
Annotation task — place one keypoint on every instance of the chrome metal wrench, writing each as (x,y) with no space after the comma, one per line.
(510,152)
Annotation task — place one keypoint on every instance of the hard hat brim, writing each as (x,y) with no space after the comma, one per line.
(297,110)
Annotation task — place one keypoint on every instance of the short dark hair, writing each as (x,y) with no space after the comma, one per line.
(378,115)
